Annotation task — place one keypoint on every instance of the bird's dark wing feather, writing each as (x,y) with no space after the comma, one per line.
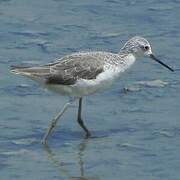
(71,68)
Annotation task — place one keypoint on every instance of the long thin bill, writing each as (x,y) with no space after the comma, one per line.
(160,62)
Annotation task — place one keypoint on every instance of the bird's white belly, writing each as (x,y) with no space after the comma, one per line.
(85,87)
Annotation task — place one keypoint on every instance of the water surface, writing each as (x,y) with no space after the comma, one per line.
(137,122)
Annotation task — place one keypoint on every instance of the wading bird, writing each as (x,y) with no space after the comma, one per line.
(84,73)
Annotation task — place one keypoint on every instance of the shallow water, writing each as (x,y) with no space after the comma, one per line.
(137,122)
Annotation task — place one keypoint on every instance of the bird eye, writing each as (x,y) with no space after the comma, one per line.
(146,48)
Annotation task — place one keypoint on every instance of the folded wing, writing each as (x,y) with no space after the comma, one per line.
(66,71)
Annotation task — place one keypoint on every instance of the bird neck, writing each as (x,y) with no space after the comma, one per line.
(128,59)
(125,49)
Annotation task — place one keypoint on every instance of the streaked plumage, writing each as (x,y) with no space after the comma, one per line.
(79,73)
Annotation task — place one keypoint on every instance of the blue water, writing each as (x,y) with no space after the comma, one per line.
(137,122)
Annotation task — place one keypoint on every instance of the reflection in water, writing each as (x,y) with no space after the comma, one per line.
(82,147)
(63,167)
(59,165)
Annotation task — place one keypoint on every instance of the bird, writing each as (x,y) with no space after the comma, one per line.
(84,73)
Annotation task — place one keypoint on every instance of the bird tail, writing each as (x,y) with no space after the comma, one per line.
(35,73)
(20,70)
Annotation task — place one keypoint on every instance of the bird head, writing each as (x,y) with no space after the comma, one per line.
(140,47)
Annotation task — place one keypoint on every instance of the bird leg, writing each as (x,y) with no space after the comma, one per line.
(79,119)
(54,122)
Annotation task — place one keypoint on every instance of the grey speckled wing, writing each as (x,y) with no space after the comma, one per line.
(76,66)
